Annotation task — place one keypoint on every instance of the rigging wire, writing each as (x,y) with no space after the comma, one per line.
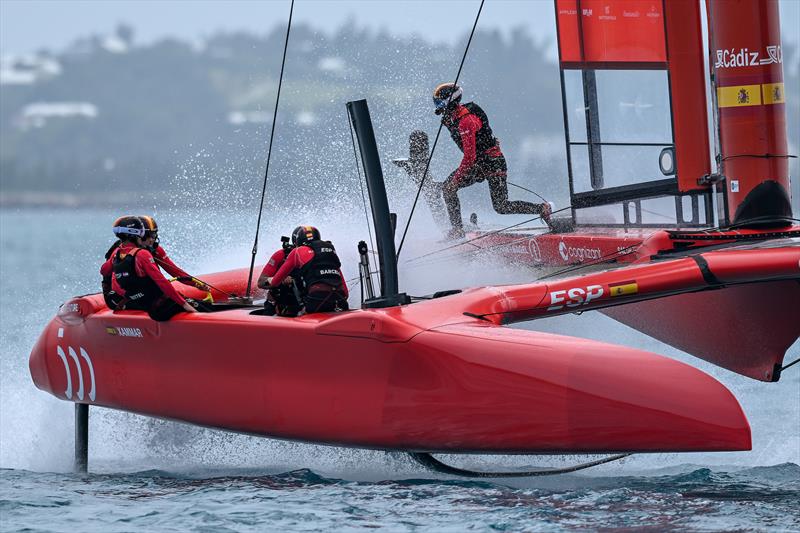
(438,133)
(623,251)
(269,154)
(599,261)
(484,235)
(364,201)
(604,259)
(527,190)
(192,278)
(360,184)
(784,367)
(469,254)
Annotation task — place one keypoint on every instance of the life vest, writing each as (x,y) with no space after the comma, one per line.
(298,288)
(484,139)
(141,292)
(323,267)
(112,298)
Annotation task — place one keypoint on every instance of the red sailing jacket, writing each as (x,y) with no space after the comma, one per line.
(146,265)
(468,125)
(274,263)
(297,258)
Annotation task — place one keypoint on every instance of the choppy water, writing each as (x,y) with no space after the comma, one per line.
(163,476)
(301,500)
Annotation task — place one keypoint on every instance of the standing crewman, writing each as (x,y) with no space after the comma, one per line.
(283,300)
(132,266)
(314,263)
(469,127)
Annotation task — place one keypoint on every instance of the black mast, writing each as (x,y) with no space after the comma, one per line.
(362,124)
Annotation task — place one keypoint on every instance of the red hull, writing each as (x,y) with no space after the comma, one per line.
(422,377)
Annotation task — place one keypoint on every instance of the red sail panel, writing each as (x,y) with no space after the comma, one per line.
(688,91)
(569,40)
(610,32)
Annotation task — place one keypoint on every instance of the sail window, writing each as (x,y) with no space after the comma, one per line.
(627,97)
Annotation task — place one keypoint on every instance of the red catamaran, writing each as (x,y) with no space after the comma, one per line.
(444,374)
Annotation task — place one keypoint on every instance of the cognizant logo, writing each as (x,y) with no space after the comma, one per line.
(577,253)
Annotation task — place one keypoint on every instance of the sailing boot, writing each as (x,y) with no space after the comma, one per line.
(455,233)
(547,211)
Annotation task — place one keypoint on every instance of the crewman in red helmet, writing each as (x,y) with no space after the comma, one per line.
(131,275)
(469,127)
(314,262)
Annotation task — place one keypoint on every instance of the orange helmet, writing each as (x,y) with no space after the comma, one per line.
(446,94)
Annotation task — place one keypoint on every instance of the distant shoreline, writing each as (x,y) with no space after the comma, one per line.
(56,199)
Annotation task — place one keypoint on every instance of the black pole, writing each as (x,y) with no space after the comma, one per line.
(362,124)
(81,437)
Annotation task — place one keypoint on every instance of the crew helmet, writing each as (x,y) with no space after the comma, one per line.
(303,234)
(130,226)
(446,94)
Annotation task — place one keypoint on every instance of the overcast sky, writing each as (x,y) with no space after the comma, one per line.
(28,25)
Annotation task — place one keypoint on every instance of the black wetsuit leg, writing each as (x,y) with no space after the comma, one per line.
(496,171)
(450,194)
(283,302)
(164,309)
(323,298)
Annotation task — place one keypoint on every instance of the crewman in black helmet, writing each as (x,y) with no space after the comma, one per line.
(315,263)
(469,127)
(131,275)
(159,255)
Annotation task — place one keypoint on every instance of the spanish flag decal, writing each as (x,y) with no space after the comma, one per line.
(772,93)
(623,288)
(739,95)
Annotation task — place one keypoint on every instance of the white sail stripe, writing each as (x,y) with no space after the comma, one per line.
(92,392)
(80,372)
(62,355)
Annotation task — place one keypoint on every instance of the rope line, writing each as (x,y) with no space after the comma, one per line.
(269,154)
(438,133)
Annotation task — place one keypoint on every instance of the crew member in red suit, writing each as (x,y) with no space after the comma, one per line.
(131,275)
(314,262)
(283,300)
(469,127)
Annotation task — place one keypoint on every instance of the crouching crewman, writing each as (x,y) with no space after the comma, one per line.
(314,263)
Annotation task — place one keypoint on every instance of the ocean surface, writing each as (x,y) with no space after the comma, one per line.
(155,475)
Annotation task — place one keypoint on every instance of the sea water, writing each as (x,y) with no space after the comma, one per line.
(166,476)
